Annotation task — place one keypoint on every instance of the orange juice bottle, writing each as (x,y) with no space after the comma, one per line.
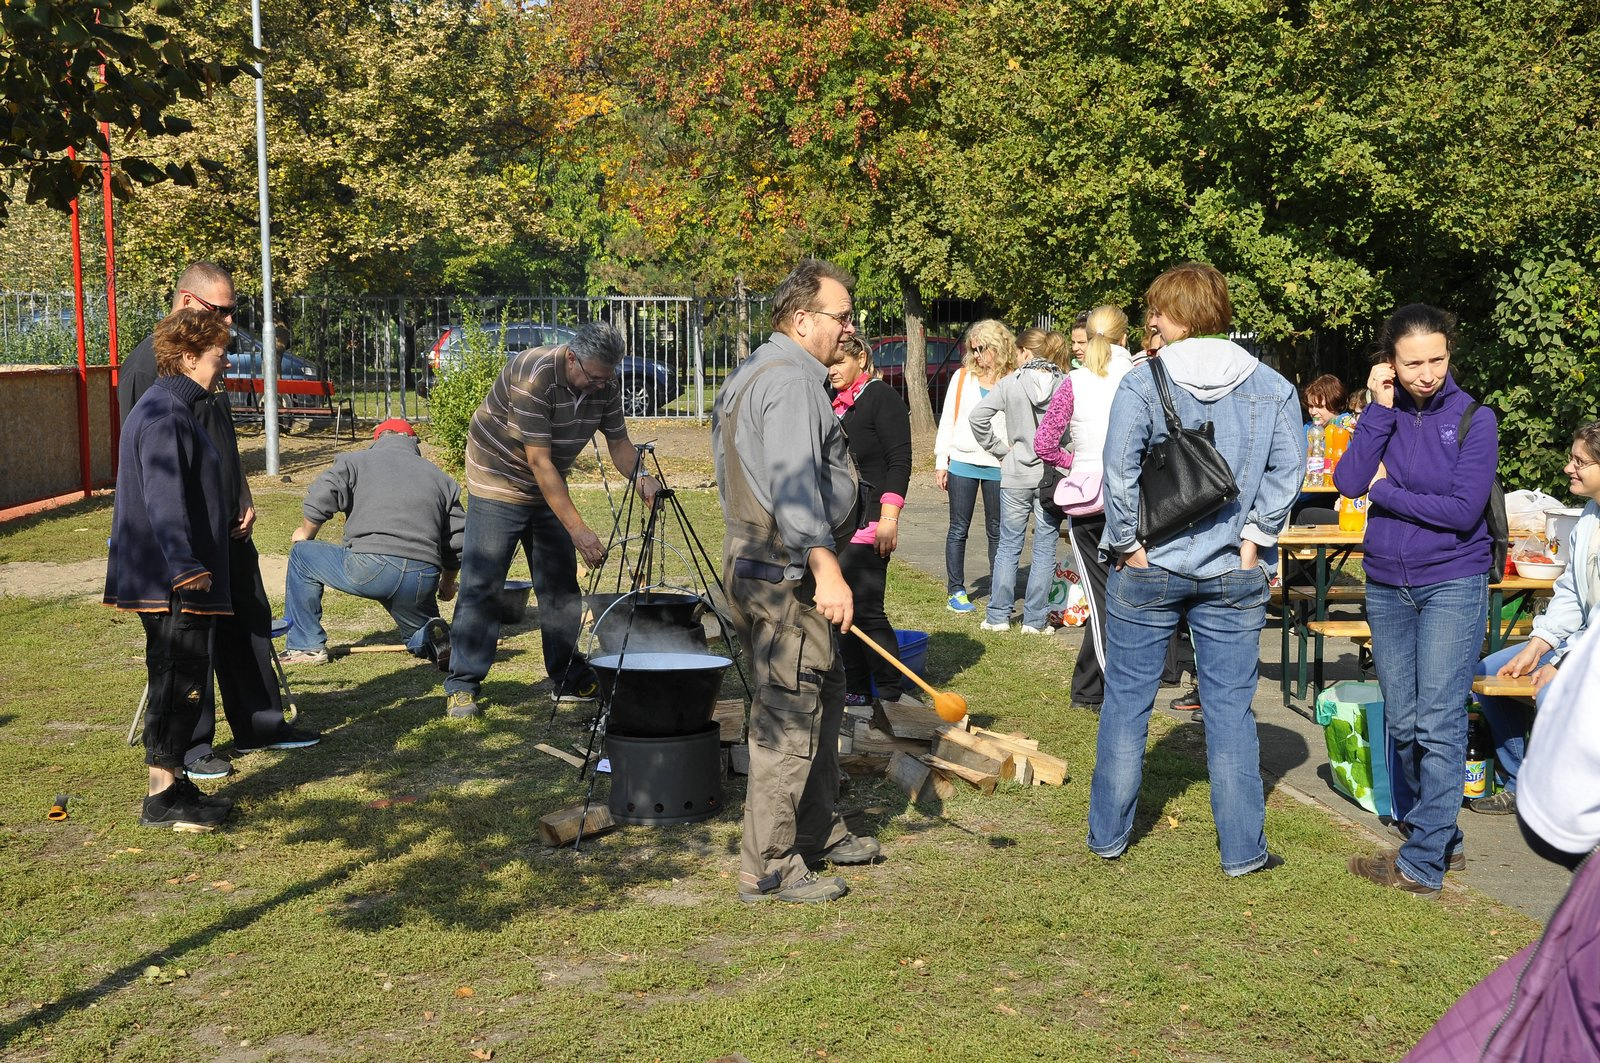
(1353,514)
(1337,440)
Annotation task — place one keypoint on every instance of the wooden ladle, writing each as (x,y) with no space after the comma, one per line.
(950,706)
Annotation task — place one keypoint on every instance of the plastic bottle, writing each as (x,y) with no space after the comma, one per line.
(1336,441)
(1480,754)
(1353,514)
(1315,450)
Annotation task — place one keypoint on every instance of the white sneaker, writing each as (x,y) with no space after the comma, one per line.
(1029,629)
(986,626)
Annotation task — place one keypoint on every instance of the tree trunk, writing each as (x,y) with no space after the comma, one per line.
(741,302)
(916,377)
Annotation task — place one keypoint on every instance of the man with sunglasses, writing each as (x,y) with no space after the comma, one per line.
(242,654)
(542,411)
(789,493)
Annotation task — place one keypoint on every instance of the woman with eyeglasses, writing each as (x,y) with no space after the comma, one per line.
(1020,400)
(1577,591)
(964,469)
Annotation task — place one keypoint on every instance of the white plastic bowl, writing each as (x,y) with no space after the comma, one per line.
(1534,570)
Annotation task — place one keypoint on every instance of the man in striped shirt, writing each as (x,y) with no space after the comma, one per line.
(535,421)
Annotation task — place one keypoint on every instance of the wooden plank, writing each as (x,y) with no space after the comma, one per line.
(1343,592)
(1047,770)
(868,739)
(561,828)
(1014,740)
(916,722)
(559,754)
(984,781)
(1505,686)
(1024,771)
(729,716)
(1341,629)
(974,752)
(862,764)
(909,773)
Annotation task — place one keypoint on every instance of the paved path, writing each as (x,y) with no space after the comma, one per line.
(1293,753)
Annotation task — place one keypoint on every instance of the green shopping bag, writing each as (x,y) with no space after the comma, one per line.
(1351,715)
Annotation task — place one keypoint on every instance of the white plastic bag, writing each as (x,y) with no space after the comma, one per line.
(1525,510)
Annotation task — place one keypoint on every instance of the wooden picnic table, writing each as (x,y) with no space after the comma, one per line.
(1505,686)
(1331,545)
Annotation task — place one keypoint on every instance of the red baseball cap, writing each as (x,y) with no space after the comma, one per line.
(394,424)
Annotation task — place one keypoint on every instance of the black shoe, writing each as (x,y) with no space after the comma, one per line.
(580,693)
(182,807)
(209,766)
(288,738)
(436,634)
(1273,860)
(1188,701)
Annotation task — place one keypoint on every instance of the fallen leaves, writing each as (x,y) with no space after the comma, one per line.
(463,991)
(483,1053)
(158,975)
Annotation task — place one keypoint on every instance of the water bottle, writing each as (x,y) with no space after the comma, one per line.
(1315,451)
(1480,753)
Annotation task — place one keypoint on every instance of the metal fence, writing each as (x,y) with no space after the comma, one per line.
(381,351)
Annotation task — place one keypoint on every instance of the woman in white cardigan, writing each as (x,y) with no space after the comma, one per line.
(964,469)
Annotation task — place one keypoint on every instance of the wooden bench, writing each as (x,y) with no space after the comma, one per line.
(338,407)
(1507,686)
(1342,592)
(1360,632)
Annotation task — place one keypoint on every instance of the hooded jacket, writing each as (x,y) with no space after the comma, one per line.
(1426,521)
(395,501)
(1255,415)
(1023,397)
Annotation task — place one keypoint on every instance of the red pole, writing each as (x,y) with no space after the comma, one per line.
(83,347)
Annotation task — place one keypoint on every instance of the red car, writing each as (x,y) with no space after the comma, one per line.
(944,361)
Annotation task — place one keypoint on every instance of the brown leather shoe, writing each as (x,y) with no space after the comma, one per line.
(1381,869)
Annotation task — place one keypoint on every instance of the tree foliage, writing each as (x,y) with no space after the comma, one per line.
(55,95)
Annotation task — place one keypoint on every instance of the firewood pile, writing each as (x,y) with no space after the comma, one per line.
(924,755)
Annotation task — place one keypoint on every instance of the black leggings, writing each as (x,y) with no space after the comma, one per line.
(866,573)
(177,656)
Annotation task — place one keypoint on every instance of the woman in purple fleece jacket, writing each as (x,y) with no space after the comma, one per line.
(1428,554)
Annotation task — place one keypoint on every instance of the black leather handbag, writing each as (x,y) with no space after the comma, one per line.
(1184,478)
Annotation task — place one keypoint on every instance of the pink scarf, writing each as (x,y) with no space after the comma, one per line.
(847,398)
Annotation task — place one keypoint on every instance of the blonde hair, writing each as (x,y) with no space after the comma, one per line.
(991,333)
(1106,325)
(860,348)
(1051,346)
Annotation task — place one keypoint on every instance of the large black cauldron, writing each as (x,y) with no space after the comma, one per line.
(651,621)
(655,694)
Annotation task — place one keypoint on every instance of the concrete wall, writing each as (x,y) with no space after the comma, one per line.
(39,432)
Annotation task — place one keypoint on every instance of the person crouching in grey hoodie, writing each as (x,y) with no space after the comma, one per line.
(1022,399)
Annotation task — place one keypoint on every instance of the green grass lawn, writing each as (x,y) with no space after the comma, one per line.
(384,896)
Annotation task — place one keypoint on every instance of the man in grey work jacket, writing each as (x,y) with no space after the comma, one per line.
(789,492)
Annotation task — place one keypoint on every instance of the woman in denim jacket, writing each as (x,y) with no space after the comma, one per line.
(1215,574)
(1427,559)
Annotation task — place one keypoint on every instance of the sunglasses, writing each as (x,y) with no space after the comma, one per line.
(225,309)
(843,317)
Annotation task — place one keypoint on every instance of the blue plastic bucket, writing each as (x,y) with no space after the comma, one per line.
(913,651)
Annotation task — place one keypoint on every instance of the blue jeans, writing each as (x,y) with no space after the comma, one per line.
(1226,614)
(1508,718)
(493,531)
(405,587)
(963,492)
(1016,506)
(1425,645)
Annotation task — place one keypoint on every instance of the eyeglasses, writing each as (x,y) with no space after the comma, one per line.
(589,379)
(225,309)
(1578,464)
(845,318)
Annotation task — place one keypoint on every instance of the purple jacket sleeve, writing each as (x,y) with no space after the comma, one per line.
(1462,508)
(1361,459)
(1047,440)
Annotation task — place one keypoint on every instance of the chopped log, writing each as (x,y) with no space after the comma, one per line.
(868,739)
(1012,741)
(981,756)
(739,759)
(559,754)
(864,764)
(1024,772)
(1047,770)
(728,714)
(944,788)
(915,722)
(984,781)
(561,828)
(909,773)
